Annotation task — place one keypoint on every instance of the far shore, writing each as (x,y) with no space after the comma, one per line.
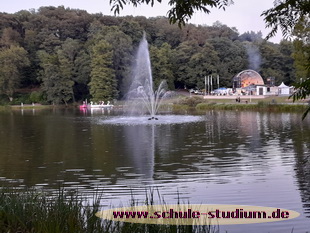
(183,101)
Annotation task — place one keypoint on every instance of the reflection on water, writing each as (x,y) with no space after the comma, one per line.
(227,157)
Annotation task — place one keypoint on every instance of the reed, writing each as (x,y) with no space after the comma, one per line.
(65,212)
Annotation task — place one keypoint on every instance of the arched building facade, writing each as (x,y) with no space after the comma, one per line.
(247,78)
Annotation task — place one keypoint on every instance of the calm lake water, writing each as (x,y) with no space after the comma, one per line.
(219,157)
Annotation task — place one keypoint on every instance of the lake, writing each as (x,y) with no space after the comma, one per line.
(215,157)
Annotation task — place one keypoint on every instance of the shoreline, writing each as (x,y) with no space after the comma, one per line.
(200,103)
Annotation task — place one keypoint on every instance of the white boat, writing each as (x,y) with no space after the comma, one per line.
(92,105)
(100,106)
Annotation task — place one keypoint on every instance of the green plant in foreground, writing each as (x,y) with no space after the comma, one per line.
(32,211)
(65,212)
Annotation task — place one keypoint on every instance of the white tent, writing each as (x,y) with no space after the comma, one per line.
(283,89)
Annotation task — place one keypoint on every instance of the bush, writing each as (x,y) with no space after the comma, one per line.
(36,97)
(20,98)
(192,101)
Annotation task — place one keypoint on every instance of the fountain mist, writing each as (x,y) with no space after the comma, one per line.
(141,92)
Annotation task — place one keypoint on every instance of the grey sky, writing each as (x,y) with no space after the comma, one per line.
(243,14)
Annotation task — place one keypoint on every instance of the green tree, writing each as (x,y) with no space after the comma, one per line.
(232,56)
(161,60)
(122,51)
(103,85)
(163,32)
(286,15)
(122,54)
(55,76)
(286,49)
(223,31)
(277,62)
(251,36)
(10,37)
(182,71)
(12,61)
(181,11)
(82,75)
(65,23)
(301,53)
(75,66)
(132,29)
(202,64)
(301,56)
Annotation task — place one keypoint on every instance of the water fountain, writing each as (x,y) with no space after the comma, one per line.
(142,102)
(141,91)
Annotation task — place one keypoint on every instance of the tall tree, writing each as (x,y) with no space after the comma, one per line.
(302,62)
(132,29)
(202,64)
(288,70)
(74,65)
(82,75)
(161,60)
(301,49)
(275,63)
(233,58)
(301,57)
(55,75)
(122,54)
(182,56)
(103,85)
(12,61)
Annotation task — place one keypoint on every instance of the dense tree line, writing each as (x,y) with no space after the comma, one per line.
(69,55)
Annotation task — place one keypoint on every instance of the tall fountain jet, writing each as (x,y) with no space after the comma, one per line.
(142,100)
(141,92)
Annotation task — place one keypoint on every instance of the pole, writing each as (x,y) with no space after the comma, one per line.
(250,95)
(211,83)
(208,84)
(218,81)
(205,92)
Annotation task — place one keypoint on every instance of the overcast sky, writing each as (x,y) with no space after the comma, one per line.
(243,14)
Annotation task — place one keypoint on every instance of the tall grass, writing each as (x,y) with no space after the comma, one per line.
(32,211)
(65,212)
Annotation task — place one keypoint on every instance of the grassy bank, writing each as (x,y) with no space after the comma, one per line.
(4,108)
(36,106)
(279,104)
(260,106)
(62,212)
